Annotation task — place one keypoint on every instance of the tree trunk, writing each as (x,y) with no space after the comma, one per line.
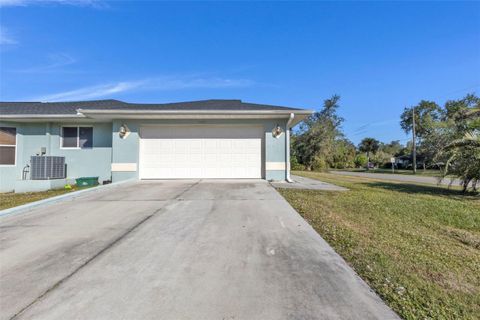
(368,161)
(465,183)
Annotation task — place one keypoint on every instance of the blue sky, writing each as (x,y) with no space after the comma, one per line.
(378,56)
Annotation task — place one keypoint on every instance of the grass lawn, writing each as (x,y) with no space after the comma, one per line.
(417,246)
(10,199)
(420,172)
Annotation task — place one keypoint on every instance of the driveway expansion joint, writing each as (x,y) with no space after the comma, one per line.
(99,253)
(184,249)
(109,246)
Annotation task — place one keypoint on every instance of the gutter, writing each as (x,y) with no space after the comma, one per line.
(41,116)
(193,112)
(287,147)
(98,114)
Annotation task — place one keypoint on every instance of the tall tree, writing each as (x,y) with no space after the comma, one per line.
(450,137)
(319,133)
(343,154)
(369,145)
(393,148)
(460,137)
(327,115)
(427,115)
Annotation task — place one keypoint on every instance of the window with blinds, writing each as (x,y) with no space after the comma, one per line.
(8,146)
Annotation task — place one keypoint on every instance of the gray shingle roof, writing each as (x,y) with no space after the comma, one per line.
(66,108)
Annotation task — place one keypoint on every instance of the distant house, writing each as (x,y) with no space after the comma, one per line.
(405,162)
(116,141)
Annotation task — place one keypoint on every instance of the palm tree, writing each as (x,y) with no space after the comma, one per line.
(464,160)
(469,139)
(462,154)
(369,145)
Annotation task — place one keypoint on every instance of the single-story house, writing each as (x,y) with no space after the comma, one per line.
(406,161)
(115,140)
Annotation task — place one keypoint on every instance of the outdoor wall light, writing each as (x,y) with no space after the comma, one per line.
(123,131)
(277,131)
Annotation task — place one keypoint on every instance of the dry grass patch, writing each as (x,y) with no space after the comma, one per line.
(10,199)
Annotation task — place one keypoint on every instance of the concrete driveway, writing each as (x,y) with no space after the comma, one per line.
(200,249)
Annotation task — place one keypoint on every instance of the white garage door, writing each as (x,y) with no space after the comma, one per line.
(180,152)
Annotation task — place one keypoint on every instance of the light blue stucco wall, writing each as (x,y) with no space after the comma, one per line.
(127,150)
(109,148)
(276,175)
(31,137)
(90,162)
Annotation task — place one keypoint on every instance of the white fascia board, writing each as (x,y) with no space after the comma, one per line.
(49,118)
(106,115)
(194,112)
(41,116)
(200,114)
(185,116)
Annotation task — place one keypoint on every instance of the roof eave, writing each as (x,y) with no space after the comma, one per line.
(218,112)
(40,116)
(107,115)
(299,115)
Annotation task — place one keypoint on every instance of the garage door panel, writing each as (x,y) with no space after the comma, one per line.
(196,160)
(225,145)
(176,152)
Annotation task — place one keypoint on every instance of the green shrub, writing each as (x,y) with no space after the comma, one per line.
(381,159)
(319,164)
(361,160)
(295,165)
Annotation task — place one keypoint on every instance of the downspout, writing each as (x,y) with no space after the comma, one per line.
(287,147)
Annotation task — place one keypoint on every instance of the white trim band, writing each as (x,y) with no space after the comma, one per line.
(275,166)
(124,167)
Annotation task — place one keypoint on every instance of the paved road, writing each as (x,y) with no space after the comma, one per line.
(304,183)
(176,250)
(398,177)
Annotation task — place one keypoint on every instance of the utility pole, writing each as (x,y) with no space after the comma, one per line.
(414,148)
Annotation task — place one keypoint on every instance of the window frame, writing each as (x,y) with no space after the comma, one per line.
(11,146)
(78,137)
